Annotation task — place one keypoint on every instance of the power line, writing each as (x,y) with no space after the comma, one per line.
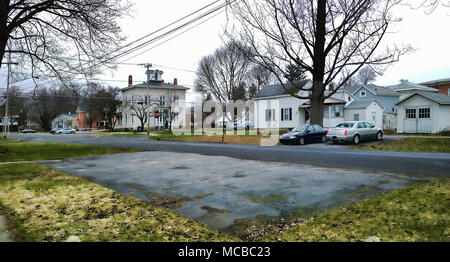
(173,38)
(142,45)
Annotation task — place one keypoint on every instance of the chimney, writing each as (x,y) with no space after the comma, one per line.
(175,82)
(162,81)
(259,84)
(130,81)
(331,88)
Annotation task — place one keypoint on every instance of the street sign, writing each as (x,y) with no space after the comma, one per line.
(157,114)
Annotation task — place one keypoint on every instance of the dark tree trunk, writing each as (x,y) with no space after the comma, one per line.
(317,98)
(4,34)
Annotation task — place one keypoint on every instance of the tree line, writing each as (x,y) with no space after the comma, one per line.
(44,104)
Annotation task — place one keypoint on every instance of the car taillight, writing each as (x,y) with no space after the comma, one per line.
(345,134)
(328,131)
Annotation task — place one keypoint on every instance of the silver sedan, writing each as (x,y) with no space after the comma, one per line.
(354,131)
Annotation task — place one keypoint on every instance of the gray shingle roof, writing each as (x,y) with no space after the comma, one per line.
(411,86)
(358,104)
(278,90)
(381,90)
(436,82)
(350,89)
(437,97)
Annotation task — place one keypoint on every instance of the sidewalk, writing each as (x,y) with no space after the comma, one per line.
(5,235)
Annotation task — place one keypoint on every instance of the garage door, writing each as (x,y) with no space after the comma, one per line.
(418,120)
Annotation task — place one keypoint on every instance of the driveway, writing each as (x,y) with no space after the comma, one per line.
(218,190)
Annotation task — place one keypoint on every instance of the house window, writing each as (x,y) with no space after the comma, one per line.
(270,115)
(326,112)
(363,94)
(337,111)
(424,113)
(286,114)
(175,100)
(411,114)
(162,100)
(356,117)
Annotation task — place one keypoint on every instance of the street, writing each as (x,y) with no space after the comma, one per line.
(332,156)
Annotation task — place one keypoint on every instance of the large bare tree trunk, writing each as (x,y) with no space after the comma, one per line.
(4,7)
(317,104)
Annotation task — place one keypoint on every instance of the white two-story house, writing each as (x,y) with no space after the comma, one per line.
(154,95)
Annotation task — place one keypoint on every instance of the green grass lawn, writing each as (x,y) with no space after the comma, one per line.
(418,213)
(430,145)
(43,204)
(8,139)
(51,151)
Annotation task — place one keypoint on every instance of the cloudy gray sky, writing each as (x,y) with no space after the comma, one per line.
(429,34)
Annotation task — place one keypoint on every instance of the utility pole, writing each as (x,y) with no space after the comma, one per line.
(148,66)
(6,125)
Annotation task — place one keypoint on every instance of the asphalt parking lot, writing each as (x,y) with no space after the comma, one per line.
(218,190)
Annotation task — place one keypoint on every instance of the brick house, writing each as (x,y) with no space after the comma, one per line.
(82,118)
(443,85)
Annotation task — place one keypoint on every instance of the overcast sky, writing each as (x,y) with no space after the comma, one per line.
(429,34)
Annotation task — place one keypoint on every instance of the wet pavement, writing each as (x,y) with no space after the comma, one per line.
(5,235)
(218,190)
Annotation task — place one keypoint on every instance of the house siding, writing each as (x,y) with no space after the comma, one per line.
(387,102)
(437,122)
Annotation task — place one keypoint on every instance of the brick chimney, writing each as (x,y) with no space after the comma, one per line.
(130,81)
(162,81)
(175,82)
(331,88)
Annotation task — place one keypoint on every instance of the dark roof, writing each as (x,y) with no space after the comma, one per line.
(329,101)
(437,97)
(278,90)
(360,104)
(155,85)
(437,82)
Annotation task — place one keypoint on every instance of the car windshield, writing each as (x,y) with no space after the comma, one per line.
(300,128)
(346,125)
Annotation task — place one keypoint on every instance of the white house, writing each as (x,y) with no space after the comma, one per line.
(276,108)
(423,112)
(369,111)
(166,98)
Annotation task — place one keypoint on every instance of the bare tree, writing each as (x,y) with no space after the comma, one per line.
(102,103)
(324,38)
(224,72)
(141,107)
(60,37)
(429,5)
(51,102)
(366,76)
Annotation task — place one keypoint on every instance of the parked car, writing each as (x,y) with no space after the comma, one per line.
(354,131)
(54,131)
(69,131)
(304,134)
(28,131)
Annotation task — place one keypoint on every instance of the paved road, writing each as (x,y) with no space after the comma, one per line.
(418,164)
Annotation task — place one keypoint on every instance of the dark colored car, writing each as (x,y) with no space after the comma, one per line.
(304,134)
(28,131)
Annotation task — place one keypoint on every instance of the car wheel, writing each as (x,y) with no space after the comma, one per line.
(324,139)
(379,136)
(356,139)
(302,141)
